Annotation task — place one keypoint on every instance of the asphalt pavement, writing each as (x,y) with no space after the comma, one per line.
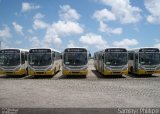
(93,91)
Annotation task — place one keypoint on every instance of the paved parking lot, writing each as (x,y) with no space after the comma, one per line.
(93,91)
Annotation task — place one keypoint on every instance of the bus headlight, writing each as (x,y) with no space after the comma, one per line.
(158,68)
(17,68)
(140,67)
(30,68)
(107,68)
(84,68)
(125,67)
(49,67)
(1,69)
(65,68)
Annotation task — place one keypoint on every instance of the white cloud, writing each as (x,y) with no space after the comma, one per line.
(104,15)
(105,28)
(124,11)
(18,28)
(39,24)
(153,7)
(125,43)
(51,37)
(71,44)
(30,31)
(116,30)
(67,25)
(18,42)
(157,45)
(35,42)
(67,28)
(93,39)
(4,45)
(66,13)
(38,16)
(28,6)
(5,33)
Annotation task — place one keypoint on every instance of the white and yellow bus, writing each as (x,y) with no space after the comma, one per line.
(144,61)
(13,61)
(111,61)
(75,61)
(44,61)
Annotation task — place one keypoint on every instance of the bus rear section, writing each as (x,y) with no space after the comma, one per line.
(44,62)
(144,61)
(13,61)
(111,61)
(75,61)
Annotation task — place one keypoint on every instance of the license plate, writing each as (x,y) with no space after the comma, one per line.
(39,72)
(75,72)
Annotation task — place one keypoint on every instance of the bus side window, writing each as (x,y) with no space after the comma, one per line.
(22,58)
(53,56)
(95,57)
(60,56)
(26,56)
(102,57)
(130,56)
(136,55)
(89,55)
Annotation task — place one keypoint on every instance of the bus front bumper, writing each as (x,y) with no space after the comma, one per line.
(141,72)
(40,73)
(18,72)
(123,72)
(69,72)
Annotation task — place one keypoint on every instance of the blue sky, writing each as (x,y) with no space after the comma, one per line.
(95,24)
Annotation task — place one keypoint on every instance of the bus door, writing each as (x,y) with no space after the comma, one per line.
(98,62)
(23,59)
(136,62)
(102,63)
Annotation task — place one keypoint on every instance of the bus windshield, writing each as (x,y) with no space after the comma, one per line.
(116,59)
(149,58)
(40,59)
(75,59)
(9,59)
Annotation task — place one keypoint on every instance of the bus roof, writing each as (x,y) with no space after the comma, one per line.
(137,49)
(110,48)
(15,49)
(46,48)
(75,48)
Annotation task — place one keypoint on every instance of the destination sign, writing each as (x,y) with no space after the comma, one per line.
(75,50)
(116,50)
(40,51)
(9,51)
(149,50)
